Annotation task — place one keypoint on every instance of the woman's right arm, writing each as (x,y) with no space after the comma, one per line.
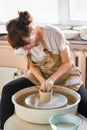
(35,70)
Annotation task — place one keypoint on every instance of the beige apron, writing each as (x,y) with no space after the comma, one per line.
(71,79)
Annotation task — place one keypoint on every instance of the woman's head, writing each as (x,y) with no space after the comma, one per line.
(18,28)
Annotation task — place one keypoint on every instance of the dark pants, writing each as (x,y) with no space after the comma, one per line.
(7,107)
(82,107)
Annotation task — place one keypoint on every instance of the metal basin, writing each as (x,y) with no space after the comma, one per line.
(41,116)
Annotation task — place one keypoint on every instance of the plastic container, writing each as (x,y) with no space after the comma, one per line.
(64,122)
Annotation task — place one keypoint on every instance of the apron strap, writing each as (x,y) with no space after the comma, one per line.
(28,59)
(44,46)
(29,52)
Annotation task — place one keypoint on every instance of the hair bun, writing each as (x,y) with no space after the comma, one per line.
(25,17)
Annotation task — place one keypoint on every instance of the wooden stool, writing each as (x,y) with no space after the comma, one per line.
(15,123)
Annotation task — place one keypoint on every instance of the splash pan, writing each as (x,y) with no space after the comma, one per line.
(41,115)
(57,101)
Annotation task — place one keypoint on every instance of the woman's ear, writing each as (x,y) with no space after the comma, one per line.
(39,32)
(33,31)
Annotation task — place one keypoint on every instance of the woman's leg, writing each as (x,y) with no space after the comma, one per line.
(7,107)
(82,107)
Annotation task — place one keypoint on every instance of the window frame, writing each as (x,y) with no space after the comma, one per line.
(64,15)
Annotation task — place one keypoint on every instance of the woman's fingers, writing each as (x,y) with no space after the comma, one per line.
(47,85)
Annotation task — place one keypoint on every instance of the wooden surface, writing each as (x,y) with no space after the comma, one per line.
(79,54)
(8,59)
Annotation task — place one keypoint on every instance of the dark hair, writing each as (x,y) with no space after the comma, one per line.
(18,28)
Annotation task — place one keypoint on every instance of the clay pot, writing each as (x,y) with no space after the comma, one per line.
(45,97)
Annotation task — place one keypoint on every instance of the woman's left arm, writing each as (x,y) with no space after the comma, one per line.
(66,64)
(64,67)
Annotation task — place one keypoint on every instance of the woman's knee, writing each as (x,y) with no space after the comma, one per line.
(11,86)
(16,85)
(7,88)
(83,93)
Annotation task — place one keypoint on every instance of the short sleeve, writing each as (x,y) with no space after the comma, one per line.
(61,41)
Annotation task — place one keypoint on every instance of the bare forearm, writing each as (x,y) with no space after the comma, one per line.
(37,73)
(66,64)
(61,70)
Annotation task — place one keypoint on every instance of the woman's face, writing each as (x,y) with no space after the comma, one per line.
(31,42)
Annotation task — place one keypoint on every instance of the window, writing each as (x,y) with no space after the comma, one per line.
(78,10)
(72,12)
(64,12)
(43,11)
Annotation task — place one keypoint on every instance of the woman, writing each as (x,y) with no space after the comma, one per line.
(49,60)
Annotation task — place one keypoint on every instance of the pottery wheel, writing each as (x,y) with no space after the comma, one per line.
(57,101)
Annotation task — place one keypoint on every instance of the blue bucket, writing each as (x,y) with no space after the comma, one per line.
(64,122)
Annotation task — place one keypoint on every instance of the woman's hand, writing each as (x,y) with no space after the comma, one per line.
(47,85)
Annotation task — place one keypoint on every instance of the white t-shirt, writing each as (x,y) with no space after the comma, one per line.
(54,40)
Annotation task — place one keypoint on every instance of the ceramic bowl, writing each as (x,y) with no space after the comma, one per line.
(71,34)
(64,122)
